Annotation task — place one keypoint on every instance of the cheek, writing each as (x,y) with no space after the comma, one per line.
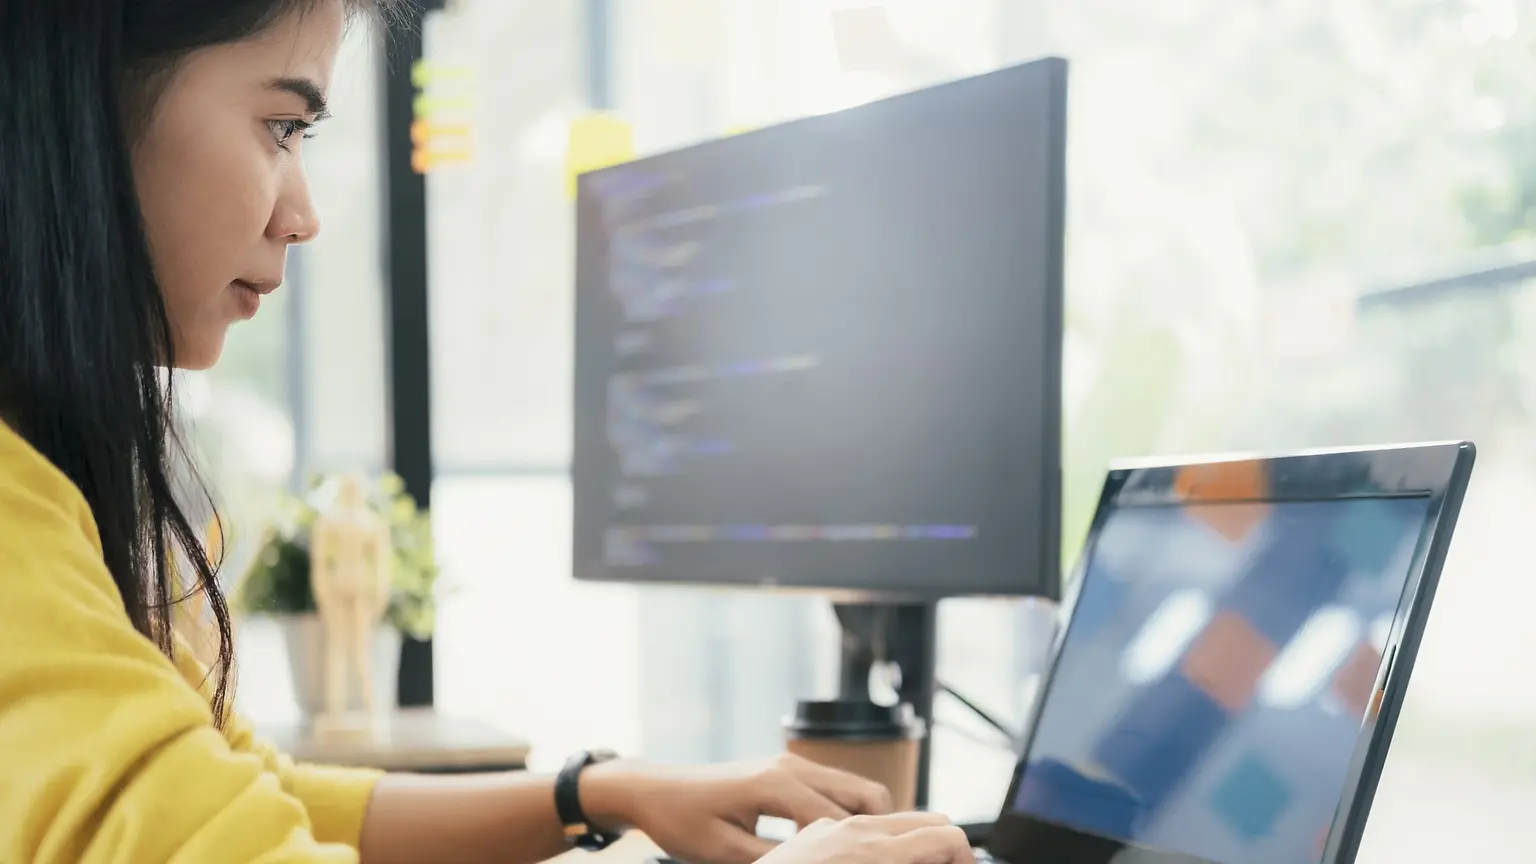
(206,200)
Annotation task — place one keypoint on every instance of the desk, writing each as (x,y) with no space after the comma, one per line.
(413,739)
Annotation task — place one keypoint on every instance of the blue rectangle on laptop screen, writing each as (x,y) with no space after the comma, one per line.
(1209,695)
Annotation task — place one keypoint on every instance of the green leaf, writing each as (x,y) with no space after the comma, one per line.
(278,582)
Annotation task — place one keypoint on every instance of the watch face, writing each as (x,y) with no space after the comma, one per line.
(595,756)
(595,842)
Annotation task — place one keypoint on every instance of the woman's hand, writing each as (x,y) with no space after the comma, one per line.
(709,815)
(905,838)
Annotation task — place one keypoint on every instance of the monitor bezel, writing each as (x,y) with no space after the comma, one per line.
(1042,577)
(1437,471)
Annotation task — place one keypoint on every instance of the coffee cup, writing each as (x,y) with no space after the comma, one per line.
(878,742)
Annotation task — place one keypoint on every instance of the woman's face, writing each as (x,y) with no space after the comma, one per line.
(220,176)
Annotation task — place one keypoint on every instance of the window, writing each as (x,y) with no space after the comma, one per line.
(340,284)
(519,642)
(1290,225)
(1239,279)
(301,388)
(1248,186)
(501,238)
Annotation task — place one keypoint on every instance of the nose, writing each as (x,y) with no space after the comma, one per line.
(294,219)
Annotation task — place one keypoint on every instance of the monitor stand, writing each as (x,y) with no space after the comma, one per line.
(903,634)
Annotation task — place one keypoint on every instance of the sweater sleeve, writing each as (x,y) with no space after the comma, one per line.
(109,756)
(335,798)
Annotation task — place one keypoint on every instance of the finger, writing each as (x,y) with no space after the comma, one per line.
(788,797)
(894,824)
(935,844)
(850,791)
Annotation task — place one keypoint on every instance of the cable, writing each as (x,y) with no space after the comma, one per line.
(974,737)
(1008,734)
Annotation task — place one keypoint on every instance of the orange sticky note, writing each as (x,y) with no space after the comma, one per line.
(425,161)
(596,141)
(425,132)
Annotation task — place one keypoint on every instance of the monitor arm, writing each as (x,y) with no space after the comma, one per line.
(902,634)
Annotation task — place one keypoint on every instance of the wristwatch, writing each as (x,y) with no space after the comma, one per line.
(581,833)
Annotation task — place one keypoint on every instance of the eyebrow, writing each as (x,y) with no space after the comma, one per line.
(305,89)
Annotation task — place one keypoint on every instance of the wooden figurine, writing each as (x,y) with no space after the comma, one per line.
(350,556)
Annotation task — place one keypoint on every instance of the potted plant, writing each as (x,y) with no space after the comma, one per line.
(277,585)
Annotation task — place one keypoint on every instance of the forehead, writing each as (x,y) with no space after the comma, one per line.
(303,43)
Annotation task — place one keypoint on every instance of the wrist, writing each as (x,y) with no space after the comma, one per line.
(608,793)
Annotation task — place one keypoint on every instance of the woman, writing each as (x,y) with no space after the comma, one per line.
(150,184)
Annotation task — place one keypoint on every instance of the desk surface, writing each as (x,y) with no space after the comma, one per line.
(413,739)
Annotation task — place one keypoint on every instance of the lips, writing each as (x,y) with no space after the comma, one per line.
(259,288)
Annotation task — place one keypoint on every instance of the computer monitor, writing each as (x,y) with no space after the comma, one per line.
(827,354)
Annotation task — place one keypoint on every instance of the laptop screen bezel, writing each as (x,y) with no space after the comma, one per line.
(1437,472)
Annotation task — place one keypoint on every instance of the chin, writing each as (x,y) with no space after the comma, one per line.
(200,355)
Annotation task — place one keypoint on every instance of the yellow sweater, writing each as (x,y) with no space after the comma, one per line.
(108,751)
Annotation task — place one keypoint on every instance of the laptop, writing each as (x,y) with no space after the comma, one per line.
(1240,638)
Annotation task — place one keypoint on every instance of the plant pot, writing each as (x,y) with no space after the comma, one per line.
(305,641)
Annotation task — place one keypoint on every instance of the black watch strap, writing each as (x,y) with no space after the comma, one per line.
(581,833)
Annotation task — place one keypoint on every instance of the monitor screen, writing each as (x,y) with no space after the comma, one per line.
(1210,690)
(827,354)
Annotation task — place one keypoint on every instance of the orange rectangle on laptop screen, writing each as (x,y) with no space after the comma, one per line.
(1228,659)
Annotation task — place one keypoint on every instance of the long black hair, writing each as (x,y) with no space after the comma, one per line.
(84,331)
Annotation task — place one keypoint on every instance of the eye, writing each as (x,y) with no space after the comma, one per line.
(284,130)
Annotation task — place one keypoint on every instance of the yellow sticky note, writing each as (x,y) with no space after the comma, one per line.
(596,141)
(739,130)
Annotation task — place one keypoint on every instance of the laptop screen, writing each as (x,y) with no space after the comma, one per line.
(1209,693)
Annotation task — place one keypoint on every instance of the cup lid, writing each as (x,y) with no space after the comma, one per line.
(852,719)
